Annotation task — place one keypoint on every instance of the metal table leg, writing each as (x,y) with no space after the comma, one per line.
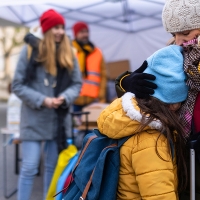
(192,170)
(6,195)
(17,159)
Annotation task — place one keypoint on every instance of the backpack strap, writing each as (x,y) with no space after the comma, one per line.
(123,140)
(97,132)
(83,151)
(120,141)
(76,165)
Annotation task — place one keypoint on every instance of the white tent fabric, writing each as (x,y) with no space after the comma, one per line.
(123,29)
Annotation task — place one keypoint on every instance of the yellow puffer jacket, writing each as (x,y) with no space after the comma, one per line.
(143,174)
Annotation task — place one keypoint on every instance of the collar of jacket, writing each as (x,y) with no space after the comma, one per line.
(32,40)
(129,105)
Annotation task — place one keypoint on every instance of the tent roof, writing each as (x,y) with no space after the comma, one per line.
(122,29)
(120,15)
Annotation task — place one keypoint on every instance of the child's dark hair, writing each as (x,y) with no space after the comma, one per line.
(171,128)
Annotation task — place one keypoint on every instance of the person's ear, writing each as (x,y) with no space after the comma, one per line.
(171,41)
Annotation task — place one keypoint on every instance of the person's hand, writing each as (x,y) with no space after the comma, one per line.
(48,102)
(58,101)
(137,82)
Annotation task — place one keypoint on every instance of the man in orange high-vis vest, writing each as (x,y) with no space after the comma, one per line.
(92,67)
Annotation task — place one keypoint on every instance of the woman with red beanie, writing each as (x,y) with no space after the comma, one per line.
(47,80)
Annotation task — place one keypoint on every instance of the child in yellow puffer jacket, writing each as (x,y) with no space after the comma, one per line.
(152,160)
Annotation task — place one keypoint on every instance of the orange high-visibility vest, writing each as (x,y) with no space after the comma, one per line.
(91,84)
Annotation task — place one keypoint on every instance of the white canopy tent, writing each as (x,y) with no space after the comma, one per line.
(123,29)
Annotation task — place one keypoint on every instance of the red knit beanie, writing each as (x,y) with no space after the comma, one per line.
(49,19)
(79,26)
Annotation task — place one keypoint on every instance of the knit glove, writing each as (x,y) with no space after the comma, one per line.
(137,82)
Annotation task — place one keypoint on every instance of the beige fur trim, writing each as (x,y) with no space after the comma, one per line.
(133,113)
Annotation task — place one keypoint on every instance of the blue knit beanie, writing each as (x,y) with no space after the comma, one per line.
(167,65)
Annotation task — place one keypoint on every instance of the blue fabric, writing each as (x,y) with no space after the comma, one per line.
(167,65)
(31,154)
(77,108)
(105,161)
(64,175)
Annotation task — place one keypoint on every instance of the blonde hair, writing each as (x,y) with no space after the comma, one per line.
(48,54)
(171,41)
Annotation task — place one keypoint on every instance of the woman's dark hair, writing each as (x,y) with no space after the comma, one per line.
(171,128)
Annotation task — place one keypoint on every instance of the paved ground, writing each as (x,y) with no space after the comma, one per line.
(11,176)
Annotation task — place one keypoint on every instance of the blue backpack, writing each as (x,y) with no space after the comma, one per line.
(96,173)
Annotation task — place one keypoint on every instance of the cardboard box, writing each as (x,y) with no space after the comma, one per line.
(95,110)
(114,69)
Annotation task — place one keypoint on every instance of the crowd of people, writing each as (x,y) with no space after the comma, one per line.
(158,104)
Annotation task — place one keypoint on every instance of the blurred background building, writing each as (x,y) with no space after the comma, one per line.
(11,41)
